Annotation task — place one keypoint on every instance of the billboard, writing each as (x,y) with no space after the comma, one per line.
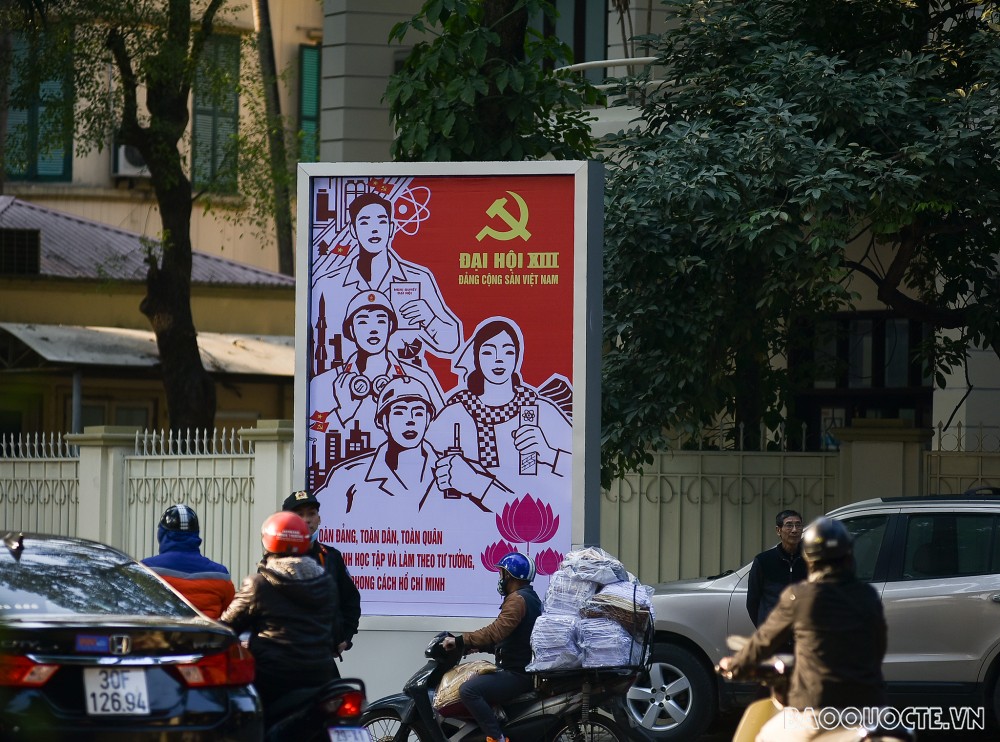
(448,321)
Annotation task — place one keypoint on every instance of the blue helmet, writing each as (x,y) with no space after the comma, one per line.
(519,566)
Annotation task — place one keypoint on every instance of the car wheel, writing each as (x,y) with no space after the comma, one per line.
(675,700)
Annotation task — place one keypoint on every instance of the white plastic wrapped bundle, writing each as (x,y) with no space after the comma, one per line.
(628,603)
(567,594)
(553,642)
(632,591)
(594,564)
(605,643)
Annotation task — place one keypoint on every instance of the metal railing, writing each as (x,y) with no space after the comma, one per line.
(39,484)
(191,443)
(609,64)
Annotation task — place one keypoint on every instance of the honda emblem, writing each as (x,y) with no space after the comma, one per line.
(120,644)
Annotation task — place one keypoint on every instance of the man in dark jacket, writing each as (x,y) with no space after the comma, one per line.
(840,636)
(773,570)
(509,637)
(306,506)
(290,609)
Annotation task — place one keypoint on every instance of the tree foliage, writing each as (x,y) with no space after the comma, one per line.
(484,87)
(802,152)
(132,66)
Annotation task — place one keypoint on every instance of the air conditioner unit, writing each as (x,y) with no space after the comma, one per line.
(128,163)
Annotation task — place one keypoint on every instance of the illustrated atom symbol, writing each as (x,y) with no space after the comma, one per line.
(411,209)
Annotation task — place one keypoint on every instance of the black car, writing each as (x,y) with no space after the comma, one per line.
(93,646)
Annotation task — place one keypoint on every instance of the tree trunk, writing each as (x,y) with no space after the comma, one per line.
(189,388)
(750,358)
(276,142)
(749,386)
(511,25)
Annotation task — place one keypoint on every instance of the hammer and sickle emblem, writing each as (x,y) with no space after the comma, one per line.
(517,225)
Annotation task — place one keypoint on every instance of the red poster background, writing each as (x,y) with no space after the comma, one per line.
(458,207)
(438,221)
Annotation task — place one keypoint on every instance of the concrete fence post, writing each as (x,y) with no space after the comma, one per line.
(881,458)
(273,442)
(101,509)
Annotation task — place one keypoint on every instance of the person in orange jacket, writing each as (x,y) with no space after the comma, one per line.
(205,583)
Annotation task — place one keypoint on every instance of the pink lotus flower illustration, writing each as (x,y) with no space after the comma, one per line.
(494,553)
(547,562)
(527,520)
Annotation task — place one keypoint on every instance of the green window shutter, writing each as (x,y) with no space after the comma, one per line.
(52,152)
(17,152)
(38,147)
(309,86)
(18,146)
(215,123)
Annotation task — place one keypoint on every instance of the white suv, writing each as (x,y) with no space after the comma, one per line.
(934,560)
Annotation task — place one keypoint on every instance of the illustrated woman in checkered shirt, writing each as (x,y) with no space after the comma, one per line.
(497,420)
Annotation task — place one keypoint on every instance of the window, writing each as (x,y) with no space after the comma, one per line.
(858,365)
(949,545)
(136,413)
(859,353)
(868,532)
(309,86)
(582,26)
(216,116)
(39,143)
(20,252)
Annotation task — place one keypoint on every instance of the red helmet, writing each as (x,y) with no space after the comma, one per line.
(285,533)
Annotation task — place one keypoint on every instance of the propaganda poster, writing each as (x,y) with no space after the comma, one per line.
(442,313)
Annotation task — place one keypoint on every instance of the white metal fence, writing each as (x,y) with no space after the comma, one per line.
(691,513)
(214,474)
(962,457)
(696,513)
(39,484)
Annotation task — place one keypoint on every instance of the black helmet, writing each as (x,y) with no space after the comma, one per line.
(179,518)
(824,540)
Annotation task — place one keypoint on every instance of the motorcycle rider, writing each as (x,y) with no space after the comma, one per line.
(839,630)
(290,609)
(509,637)
(180,562)
(305,505)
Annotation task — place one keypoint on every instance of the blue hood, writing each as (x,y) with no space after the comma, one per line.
(177,540)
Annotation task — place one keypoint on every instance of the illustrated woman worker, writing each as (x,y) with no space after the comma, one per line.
(497,420)
(405,466)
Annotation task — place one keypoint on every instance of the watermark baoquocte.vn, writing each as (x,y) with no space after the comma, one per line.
(920,718)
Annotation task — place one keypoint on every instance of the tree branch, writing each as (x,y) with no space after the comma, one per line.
(909,307)
(129,131)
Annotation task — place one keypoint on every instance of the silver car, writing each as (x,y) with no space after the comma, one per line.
(934,560)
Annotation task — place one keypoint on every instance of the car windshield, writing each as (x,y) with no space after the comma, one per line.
(59,576)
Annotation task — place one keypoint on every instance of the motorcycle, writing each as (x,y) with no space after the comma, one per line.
(563,707)
(775,673)
(330,713)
